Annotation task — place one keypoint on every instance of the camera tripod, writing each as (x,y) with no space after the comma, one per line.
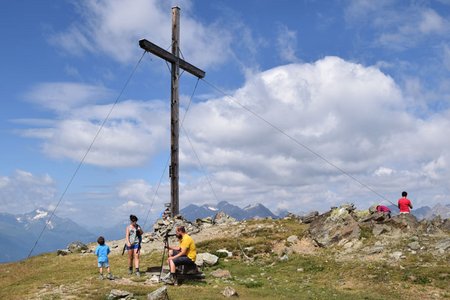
(166,246)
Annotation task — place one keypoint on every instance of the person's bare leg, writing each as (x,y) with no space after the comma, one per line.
(130,261)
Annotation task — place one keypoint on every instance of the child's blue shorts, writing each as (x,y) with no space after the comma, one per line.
(103,264)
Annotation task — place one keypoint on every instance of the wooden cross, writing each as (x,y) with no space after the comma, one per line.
(176,64)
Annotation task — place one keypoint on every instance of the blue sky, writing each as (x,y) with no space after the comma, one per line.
(363,84)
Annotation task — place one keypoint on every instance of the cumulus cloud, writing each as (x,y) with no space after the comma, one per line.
(318,126)
(353,116)
(23,191)
(133,133)
(114,28)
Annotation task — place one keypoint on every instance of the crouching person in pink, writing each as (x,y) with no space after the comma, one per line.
(384,209)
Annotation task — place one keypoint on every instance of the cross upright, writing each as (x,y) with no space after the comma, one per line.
(176,63)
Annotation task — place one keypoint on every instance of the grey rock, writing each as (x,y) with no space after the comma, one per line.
(414,246)
(443,245)
(396,255)
(206,259)
(224,253)
(223,218)
(376,217)
(309,217)
(380,229)
(284,258)
(77,247)
(159,294)
(229,292)
(330,228)
(292,239)
(446,225)
(62,252)
(375,250)
(119,294)
(219,273)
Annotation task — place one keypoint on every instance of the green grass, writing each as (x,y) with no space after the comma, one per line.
(317,276)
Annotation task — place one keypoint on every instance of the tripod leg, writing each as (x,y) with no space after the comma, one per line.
(166,246)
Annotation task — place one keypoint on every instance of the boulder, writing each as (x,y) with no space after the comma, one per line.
(333,226)
(229,292)
(62,252)
(223,218)
(406,222)
(77,247)
(206,259)
(159,294)
(379,229)
(376,217)
(119,294)
(443,245)
(224,253)
(309,217)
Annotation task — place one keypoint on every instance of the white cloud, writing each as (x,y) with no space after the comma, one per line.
(64,96)
(354,116)
(287,44)
(114,27)
(23,191)
(382,171)
(132,134)
(395,24)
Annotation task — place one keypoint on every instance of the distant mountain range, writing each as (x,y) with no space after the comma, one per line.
(426,212)
(18,234)
(193,212)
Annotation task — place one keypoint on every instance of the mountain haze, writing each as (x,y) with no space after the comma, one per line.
(193,212)
(18,234)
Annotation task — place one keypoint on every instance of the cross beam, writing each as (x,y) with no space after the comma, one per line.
(166,55)
(176,64)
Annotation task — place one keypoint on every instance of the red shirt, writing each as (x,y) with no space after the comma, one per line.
(382,208)
(404,204)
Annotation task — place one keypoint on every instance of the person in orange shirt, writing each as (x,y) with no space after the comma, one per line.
(185,254)
(404,204)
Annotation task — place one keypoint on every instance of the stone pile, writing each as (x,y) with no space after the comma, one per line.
(166,227)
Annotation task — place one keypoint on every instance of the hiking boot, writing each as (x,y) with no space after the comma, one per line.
(110,277)
(100,276)
(138,274)
(165,276)
(130,271)
(170,280)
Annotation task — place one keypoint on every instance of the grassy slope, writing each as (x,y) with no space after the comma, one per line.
(317,276)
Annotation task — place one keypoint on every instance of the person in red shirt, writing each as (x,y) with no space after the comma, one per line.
(404,204)
(384,209)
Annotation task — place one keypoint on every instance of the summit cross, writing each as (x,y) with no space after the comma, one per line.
(176,63)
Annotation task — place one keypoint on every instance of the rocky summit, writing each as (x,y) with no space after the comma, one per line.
(344,253)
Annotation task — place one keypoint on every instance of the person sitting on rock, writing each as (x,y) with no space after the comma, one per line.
(185,254)
(384,209)
(404,204)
